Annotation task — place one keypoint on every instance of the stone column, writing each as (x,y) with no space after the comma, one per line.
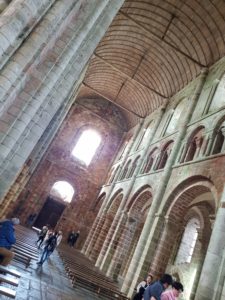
(209,145)
(181,157)
(223,133)
(150,226)
(103,228)
(50,84)
(102,259)
(198,142)
(164,248)
(17,21)
(211,281)
(3,5)
(125,240)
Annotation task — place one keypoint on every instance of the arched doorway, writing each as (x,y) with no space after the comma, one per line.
(60,194)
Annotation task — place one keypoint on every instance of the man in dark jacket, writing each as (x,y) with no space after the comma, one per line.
(7,239)
(154,291)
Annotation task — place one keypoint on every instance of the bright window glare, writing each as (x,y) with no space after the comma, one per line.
(63,190)
(86,146)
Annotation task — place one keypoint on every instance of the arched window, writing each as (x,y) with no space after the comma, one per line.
(175,116)
(86,146)
(194,145)
(62,190)
(164,155)
(125,170)
(219,143)
(188,242)
(113,175)
(150,160)
(133,167)
(144,135)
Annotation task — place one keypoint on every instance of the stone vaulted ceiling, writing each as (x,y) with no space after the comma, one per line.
(152,49)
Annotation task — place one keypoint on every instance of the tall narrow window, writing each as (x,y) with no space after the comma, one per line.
(86,146)
(188,242)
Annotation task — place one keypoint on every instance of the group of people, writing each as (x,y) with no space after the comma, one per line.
(158,290)
(50,240)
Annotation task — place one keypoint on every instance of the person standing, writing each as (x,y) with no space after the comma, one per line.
(142,286)
(173,293)
(70,238)
(154,291)
(75,238)
(7,239)
(59,238)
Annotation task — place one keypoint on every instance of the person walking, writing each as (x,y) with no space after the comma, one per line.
(154,291)
(42,235)
(48,249)
(7,239)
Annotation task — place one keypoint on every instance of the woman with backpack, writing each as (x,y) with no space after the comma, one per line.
(49,248)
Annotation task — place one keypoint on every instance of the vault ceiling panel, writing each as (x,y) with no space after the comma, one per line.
(153,49)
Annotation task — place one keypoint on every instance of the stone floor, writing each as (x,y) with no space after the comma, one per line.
(48,282)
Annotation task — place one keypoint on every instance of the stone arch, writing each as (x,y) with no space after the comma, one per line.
(114,196)
(149,161)
(219,136)
(183,193)
(133,167)
(125,170)
(99,201)
(181,207)
(164,154)
(194,143)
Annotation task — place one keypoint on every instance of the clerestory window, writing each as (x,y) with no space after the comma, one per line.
(87,146)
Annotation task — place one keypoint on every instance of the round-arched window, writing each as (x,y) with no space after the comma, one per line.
(62,190)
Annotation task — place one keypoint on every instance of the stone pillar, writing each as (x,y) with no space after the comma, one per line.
(164,248)
(198,142)
(125,240)
(209,145)
(3,5)
(223,133)
(17,21)
(102,259)
(211,281)
(101,236)
(150,225)
(182,155)
(50,84)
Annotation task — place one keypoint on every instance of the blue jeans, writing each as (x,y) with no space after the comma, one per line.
(45,255)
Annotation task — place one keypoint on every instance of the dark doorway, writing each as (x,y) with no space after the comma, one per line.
(50,213)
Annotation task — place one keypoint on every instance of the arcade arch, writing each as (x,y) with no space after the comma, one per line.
(181,211)
(136,212)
